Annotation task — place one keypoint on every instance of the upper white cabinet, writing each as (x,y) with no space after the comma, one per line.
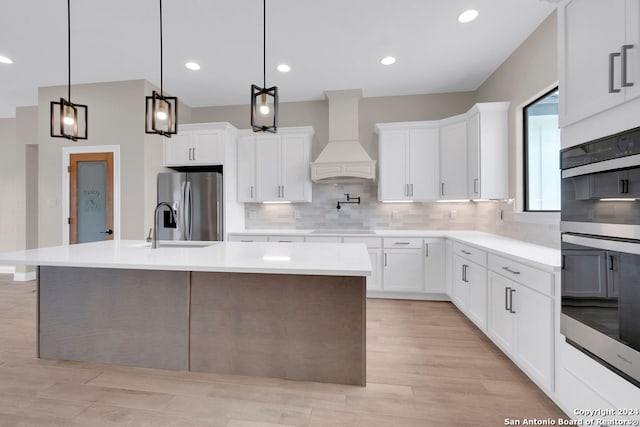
(408,160)
(274,167)
(487,151)
(599,56)
(198,145)
(453,158)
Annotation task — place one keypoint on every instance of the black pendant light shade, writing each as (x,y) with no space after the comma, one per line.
(68,120)
(264,102)
(161,112)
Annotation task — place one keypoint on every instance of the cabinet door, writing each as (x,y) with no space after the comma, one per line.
(295,170)
(590,30)
(534,333)
(392,159)
(587,268)
(453,161)
(268,168)
(403,270)
(632,27)
(434,266)
(460,285)
(499,318)
(208,148)
(424,165)
(477,306)
(473,156)
(246,169)
(374,282)
(178,150)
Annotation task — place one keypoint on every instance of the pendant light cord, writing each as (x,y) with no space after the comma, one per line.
(161,77)
(264,44)
(69,49)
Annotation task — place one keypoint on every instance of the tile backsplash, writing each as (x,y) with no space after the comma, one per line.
(370,213)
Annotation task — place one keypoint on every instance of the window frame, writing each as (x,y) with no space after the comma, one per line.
(525,155)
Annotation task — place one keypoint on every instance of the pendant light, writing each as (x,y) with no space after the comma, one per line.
(161,112)
(264,102)
(68,120)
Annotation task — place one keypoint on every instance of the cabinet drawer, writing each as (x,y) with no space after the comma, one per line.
(469,252)
(371,242)
(532,277)
(286,239)
(323,239)
(246,238)
(402,243)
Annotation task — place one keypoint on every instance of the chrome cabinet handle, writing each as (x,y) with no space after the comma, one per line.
(465,252)
(442,189)
(511,292)
(252,191)
(475,185)
(385,259)
(190,154)
(510,270)
(623,65)
(406,189)
(402,243)
(283,191)
(426,249)
(411,190)
(194,153)
(464,273)
(506,299)
(611,58)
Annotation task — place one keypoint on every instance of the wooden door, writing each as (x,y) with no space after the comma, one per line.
(90,197)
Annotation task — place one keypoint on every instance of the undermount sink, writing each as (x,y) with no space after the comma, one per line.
(344,231)
(176,244)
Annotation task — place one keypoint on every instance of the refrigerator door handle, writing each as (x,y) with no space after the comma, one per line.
(189,211)
(181,210)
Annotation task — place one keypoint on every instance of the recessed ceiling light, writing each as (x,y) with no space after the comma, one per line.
(387,60)
(468,16)
(5,60)
(283,68)
(192,66)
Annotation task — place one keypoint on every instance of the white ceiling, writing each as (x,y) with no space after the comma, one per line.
(329,44)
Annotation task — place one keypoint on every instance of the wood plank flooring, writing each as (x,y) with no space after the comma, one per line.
(427,365)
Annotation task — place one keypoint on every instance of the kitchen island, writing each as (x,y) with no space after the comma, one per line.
(284,310)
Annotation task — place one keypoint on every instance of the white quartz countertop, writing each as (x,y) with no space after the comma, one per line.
(536,255)
(333,259)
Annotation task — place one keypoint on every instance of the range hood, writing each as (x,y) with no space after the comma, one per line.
(343,156)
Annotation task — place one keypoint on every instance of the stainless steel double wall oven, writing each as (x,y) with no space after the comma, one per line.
(600,224)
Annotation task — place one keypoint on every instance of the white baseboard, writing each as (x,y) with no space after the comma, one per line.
(24,277)
(7,269)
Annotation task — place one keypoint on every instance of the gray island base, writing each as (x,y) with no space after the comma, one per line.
(290,326)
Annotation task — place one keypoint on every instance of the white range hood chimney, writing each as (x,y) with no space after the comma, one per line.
(343,156)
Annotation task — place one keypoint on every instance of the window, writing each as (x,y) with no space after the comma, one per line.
(541,154)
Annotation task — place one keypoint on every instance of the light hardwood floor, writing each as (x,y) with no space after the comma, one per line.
(427,365)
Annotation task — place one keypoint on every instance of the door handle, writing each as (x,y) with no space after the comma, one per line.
(611,58)
(426,249)
(402,243)
(510,270)
(252,191)
(511,292)
(475,185)
(189,153)
(465,252)
(109,231)
(623,186)
(442,189)
(406,189)
(611,261)
(623,65)
(506,299)
(385,259)
(283,191)
(194,153)
(411,190)
(464,273)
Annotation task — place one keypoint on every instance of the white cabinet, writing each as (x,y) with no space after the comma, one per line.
(520,318)
(599,66)
(470,283)
(374,247)
(274,167)
(434,265)
(197,145)
(487,151)
(408,161)
(453,159)
(403,265)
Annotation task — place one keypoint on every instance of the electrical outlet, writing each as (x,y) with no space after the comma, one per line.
(252,215)
(395,215)
(453,214)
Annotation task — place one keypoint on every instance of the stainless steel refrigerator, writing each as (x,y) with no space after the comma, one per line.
(196,198)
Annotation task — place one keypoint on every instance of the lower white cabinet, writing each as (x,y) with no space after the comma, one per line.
(374,247)
(470,290)
(403,270)
(520,322)
(434,266)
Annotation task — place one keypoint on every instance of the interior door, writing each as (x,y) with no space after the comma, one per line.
(91,197)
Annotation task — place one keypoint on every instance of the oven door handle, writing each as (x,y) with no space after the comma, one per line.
(607,245)
(603,166)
